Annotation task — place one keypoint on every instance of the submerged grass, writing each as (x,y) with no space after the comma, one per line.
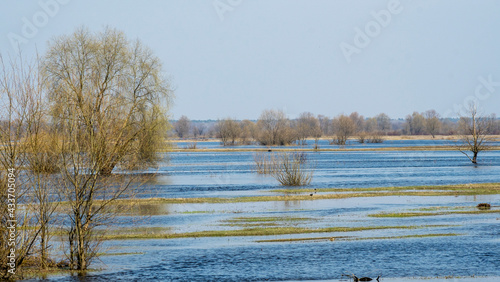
(268,219)
(258,231)
(489,188)
(415,214)
(119,254)
(263,221)
(342,193)
(348,238)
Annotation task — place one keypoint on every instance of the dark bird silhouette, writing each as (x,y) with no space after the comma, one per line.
(311,195)
(356,279)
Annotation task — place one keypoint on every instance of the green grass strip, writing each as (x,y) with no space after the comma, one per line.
(258,231)
(345,238)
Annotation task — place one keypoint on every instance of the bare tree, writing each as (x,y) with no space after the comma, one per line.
(415,124)
(383,122)
(42,159)
(325,125)
(248,131)
(182,126)
(21,93)
(198,130)
(359,121)
(343,128)
(432,122)
(307,125)
(316,133)
(474,133)
(118,90)
(108,105)
(274,128)
(228,130)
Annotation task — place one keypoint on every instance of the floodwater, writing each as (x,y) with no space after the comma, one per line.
(470,252)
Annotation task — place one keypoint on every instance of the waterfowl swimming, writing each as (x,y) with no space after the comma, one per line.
(356,279)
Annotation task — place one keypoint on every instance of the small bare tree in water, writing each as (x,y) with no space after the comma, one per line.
(23,162)
(474,133)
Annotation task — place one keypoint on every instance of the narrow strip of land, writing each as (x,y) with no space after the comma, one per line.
(334,193)
(262,231)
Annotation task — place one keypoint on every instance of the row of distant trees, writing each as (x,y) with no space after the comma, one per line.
(274,128)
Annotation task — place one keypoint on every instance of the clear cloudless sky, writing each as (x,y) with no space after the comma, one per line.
(236,58)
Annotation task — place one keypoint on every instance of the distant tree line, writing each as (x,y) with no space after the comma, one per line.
(274,128)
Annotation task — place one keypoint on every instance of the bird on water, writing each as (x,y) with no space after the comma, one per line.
(356,279)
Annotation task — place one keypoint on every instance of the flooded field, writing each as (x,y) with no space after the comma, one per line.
(400,237)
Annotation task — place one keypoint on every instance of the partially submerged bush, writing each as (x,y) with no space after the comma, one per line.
(376,138)
(191,146)
(290,169)
(362,137)
(484,206)
(264,162)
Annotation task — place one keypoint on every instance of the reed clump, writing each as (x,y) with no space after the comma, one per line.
(289,169)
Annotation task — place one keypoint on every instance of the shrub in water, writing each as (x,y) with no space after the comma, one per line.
(484,206)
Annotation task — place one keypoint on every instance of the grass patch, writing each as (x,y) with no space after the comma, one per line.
(490,188)
(303,239)
(349,238)
(263,221)
(246,225)
(293,194)
(119,254)
(415,214)
(409,236)
(402,214)
(268,219)
(258,231)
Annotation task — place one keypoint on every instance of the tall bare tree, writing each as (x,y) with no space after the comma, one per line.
(117,88)
(432,122)
(108,103)
(343,127)
(415,124)
(248,131)
(383,122)
(307,125)
(198,130)
(21,94)
(274,128)
(325,124)
(228,130)
(182,126)
(474,133)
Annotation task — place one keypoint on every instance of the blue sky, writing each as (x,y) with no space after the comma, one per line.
(235,58)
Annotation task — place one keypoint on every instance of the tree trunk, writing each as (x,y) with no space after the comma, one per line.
(82,256)
(71,237)
(43,247)
(474,158)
